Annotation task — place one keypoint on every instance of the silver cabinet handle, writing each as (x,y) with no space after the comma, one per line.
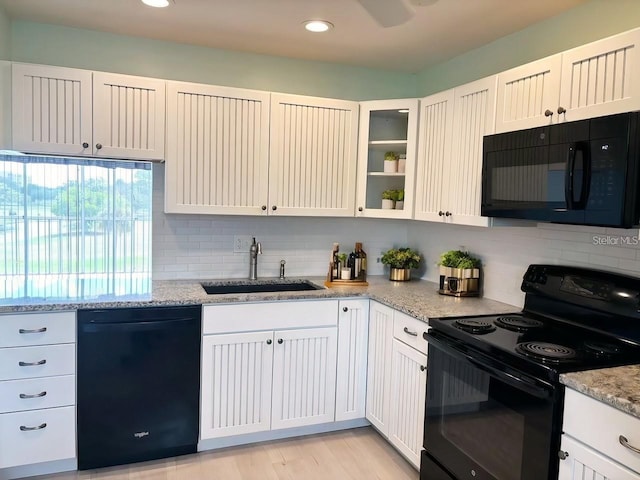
(625,443)
(35,330)
(32,364)
(36,395)
(409,332)
(28,429)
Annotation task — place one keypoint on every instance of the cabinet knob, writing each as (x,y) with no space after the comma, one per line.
(360,209)
(422,368)
(85,145)
(264,207)
(548,113)
(441,213)
(280,341)
(447,214)
(274,208)
(345,309)
(269,341)
(561,110)
(563,455)
(98,146)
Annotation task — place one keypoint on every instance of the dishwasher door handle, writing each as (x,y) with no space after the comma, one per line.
(130,326)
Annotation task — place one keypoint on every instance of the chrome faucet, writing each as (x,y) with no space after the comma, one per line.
(254,251)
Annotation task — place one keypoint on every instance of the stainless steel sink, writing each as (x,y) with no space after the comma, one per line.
(258,287)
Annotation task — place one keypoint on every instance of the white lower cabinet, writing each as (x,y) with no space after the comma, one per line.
(275,378)
(397,379)
(602,447)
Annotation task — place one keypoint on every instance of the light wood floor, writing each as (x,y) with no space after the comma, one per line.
(358,454)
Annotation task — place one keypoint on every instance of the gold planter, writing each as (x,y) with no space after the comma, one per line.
(400,274)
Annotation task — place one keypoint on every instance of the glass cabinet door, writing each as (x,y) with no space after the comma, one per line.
(386,159)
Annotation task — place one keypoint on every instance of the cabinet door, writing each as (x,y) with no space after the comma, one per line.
(583,462)
(312,161)
(5,105)
(387,126)
(236,384)
(379,366)
(52,110)
(435,143)
(217,150)
(474,117)
(304,377)
(601,78)
(527,94)
(408,392)
(129,115)
(351,385)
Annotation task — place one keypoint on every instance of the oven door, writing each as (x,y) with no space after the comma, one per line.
(485,420)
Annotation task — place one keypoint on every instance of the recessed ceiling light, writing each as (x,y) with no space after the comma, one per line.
(156,3)
(403,111)
(318,26)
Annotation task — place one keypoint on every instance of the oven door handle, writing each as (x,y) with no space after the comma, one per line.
(524,383)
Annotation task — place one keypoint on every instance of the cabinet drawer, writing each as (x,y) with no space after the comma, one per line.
(269,316)
(34,393)
(53,437)
(409,330)
(603,430)
(21,330)
(31,362)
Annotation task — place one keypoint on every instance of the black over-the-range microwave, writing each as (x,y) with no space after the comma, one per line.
(585,172)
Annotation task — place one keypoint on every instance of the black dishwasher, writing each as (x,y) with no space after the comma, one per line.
(138,384)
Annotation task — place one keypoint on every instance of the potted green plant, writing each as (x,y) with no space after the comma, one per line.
(400,261)
(345,272)
(459,273)
(391,162)
(388,199)
(399,199)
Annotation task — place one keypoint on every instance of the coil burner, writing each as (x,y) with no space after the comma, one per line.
(474,326)
(547,352)
(518,323)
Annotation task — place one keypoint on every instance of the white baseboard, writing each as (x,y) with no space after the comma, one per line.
(215,443)
(39,469)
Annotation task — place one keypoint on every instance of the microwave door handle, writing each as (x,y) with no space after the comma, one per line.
(585,149)
(568,177)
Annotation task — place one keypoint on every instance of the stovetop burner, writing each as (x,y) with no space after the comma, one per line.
(518,323)
(474,326)
(547,352)
(602,349)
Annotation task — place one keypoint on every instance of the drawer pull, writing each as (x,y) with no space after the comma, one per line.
(35,330)
(29,429)
(32,364)
(409,332)
(625,443)
(37,395)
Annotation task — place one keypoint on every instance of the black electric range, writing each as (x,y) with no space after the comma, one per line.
(494,399)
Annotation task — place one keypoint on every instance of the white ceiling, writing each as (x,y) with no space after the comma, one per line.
(435,33)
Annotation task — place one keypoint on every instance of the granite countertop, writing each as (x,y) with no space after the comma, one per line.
(617,386)
(417,298)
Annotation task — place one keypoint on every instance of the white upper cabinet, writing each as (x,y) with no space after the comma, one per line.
(387,126)
(52,110)
(217,150)
(594,80)
(528,95)
(601,78)
(312,162)
(68,111)
(129,114)
(452,127)
(5,105)
(435,143)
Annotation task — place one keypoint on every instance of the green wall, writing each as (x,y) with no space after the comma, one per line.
(72,47)
(5,36)
(590,21)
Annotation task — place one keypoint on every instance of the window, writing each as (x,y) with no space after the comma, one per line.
(73,228)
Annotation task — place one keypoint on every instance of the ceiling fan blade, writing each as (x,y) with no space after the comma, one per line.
(388,13)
